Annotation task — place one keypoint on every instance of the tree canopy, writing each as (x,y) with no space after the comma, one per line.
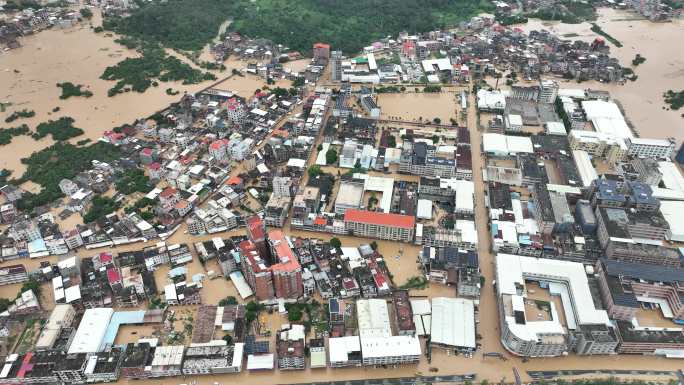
(347,25)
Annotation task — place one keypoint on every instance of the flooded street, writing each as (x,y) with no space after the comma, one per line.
(79,55)
(663,70)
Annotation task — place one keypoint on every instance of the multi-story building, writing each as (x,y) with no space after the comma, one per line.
(276,210)
(219,150)
(13,274)
(235,110)
(282,186)
(321,53)
(598,144)
(290,345)
(419,158)
(624,285)
(104,366)
(344,351)
(287,273)
(548,91)
(650,148)
(648,171)
(336,66)
(394,227)
(282,279)
(378,345)
(199,360)
(634,236)
(531,331)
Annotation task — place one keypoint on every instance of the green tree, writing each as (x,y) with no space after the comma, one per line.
(86,13)
(391,141)
(230,300)
(314,171)
(331,156)
(335,242)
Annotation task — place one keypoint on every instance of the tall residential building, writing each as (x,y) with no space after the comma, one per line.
(548,91)
(650,148)
(321,52)
(281,278)
(336,66)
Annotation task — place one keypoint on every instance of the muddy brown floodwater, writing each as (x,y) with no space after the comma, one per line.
(663,70)
(413,106)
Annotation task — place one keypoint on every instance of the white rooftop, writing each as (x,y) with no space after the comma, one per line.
(453,322)
(586,170)
(512,270)
(260,362)
(377,347)
(91,330)
(672,177)
(424,210)
(441,64)
(340,347)
(373,318)
(672,212)
(606,118)
(506,144)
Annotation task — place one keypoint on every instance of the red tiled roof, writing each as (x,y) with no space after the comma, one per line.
(234,180)
(322,45)
(146,151)
(288,262)
(320,221)
(255,227)
(218,144)
(113,275)
(154,166)
(381,219)
(105,257)
(168,192)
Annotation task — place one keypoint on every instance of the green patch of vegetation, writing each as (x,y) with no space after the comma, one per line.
(391,141)
(512,19)
(100,206)
(20,114)
(171,91)
(230,300)
(131,181)
(6,134)
(387,89)
(86,13)
(567,11)
(674,99)
(418,283)
(314,171)
(432,89)
(139,74)
(190,24)
(4,176)
(98,29)
(52,164)
(335,242)
(60,129)
(599,31)
(83,142)
(70,89)
(33,285)
(331,156)
(638,59)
